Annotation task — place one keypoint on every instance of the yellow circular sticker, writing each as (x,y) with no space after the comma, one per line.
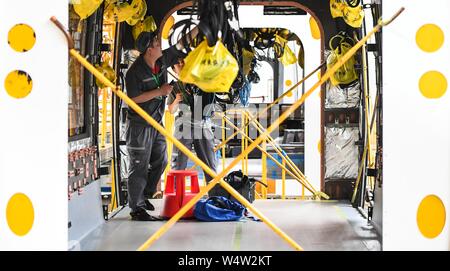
(20,214)
(167,27)
(430,38)
(431,216)
(433,85)
(314,27)
(21,38)
(18,84)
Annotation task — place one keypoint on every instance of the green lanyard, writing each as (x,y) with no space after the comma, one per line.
(158,84)
(155,77)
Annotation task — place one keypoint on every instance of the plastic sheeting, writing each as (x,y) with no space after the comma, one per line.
(79,144)
(124,159)
(338,97)
(341,158)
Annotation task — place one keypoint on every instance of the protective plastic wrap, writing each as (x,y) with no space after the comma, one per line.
(79,144)
(341,158)
(124,161)
(337,97)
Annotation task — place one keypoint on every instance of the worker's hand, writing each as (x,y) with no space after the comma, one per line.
(179,97)
(165,89)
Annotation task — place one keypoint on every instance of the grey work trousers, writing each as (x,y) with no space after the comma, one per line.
(148,159)
(204,148)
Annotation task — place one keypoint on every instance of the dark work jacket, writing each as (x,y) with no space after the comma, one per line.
(194,94)
(140,78)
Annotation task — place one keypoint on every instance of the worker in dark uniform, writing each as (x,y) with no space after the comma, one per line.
(193,109)
(146,84)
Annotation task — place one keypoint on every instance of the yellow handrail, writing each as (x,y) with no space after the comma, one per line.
(286,158)
(169,121)
(368,110)
(113,205)
(264,169)
(283,181)
(223,147)
(216,178)
(223,143)
(104,116)
(269,130)
(266,154)
(243,142)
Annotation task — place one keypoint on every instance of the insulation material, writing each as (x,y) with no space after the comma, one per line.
(338,97)
(124,161)
(341,158)
(79,144)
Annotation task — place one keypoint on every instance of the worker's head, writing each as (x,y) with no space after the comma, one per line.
(177,67)
(148,43)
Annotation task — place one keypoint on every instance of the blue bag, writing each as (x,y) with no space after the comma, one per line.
(217,209)
(244,93)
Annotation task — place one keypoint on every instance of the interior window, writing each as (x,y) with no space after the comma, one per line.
(77,125)
(263,91)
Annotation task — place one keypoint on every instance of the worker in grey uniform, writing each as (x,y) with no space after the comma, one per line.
(193,109)
(146,84)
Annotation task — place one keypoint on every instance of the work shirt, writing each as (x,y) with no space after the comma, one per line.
(177,88)
(141,78)
(190,124)
(194,98)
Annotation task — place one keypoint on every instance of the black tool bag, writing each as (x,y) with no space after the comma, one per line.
(242,184)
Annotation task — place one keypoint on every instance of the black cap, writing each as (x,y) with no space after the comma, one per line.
(144,41)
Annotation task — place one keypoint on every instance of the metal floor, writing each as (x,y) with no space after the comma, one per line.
(318,226)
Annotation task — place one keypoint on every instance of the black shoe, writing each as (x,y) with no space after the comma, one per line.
(149,206)
(141,215)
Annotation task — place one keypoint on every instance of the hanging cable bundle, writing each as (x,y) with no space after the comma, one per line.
(340,44)
(288,57)
(147,25)
(122,11)
(85,8)
(275,39)
(215,65)
(265,39)
(253,76)
(211,19)
(350,10)
(213,25)
(140,13)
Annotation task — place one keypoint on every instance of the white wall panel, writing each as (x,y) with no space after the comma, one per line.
(416,128)
(33,133)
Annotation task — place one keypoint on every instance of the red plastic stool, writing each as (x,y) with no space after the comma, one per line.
(176,197)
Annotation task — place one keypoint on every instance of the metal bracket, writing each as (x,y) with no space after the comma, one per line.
(372,47)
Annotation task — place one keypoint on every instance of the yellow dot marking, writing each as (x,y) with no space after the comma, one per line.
(433,85)
(431,216)
(315,31)
(288,83)
(430,38)
(289,94)
(20,214)
(167,27)
(18,84)
(21,38)
(319,146)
